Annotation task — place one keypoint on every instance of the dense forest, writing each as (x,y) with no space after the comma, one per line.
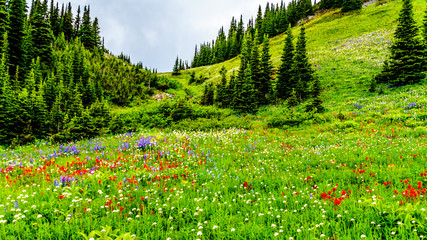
(56,77)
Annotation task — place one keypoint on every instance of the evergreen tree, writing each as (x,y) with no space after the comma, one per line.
(293,101)
(4,22)
(16,34)
(57,114)
(266,73)
(220,97)
(67,23)
(240,33)
(86,33)
(77,22)
(41,36)
(259,24)
(316,102)
(175,71)
(49,91)
(192,78)
(208,95)
(407,61)
(302,73)
(254,65)
(54,19)
(285,84)
(229,93)
(76,107)
(244,99)
(96,33)
(6,118)
(350,5)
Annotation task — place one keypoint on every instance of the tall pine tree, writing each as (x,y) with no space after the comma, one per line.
(266,73)
(407,61)
(302,73)
(284,83)
(4,22)
(16,35)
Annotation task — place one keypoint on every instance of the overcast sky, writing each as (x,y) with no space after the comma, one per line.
(155,32)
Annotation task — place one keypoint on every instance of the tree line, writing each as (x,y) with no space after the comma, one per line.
(273,21)
(254,85)
(56,78)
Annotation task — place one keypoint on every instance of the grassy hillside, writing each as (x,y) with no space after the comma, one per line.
(346,50)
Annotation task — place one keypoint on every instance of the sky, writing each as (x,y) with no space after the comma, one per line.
(156,32)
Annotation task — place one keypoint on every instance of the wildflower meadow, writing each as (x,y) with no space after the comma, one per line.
(317,182)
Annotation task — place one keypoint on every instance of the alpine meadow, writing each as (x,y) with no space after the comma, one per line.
(307,121)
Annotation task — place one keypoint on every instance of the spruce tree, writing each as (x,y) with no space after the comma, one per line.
(254,65)
(4,22)
(6,118)
(175,71)
(351,5)
(220,97)
(41,36)
(293,101)
(316,102)
(96,33)
(54,19)
(16,34)
(302,73)
(285,84)
(86,33)
(266,73)
(407,61)
(67,23)
(77,23)
(259,24)
(229,95)
(240,33)
(208,95)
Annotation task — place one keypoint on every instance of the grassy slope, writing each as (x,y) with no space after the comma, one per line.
(346,50)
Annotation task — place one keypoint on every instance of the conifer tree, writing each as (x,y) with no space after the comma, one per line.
(285,84)
(6,119)
(240,33)
(175,71)
(96,33)
(41,36)
(86,33)
(220,97)
(283,21)
(266,72)
(4,22)
(77,23)
(16,34)
(302,73)
(67,23)
(208,95)
(351,5)
(229,94)
(254,65)
(293,101)
(57,114)
(407,61)
(259,24)
(316,101)
(244,99)
(54,19)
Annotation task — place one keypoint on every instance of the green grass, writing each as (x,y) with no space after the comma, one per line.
(262,183)
(346,49)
